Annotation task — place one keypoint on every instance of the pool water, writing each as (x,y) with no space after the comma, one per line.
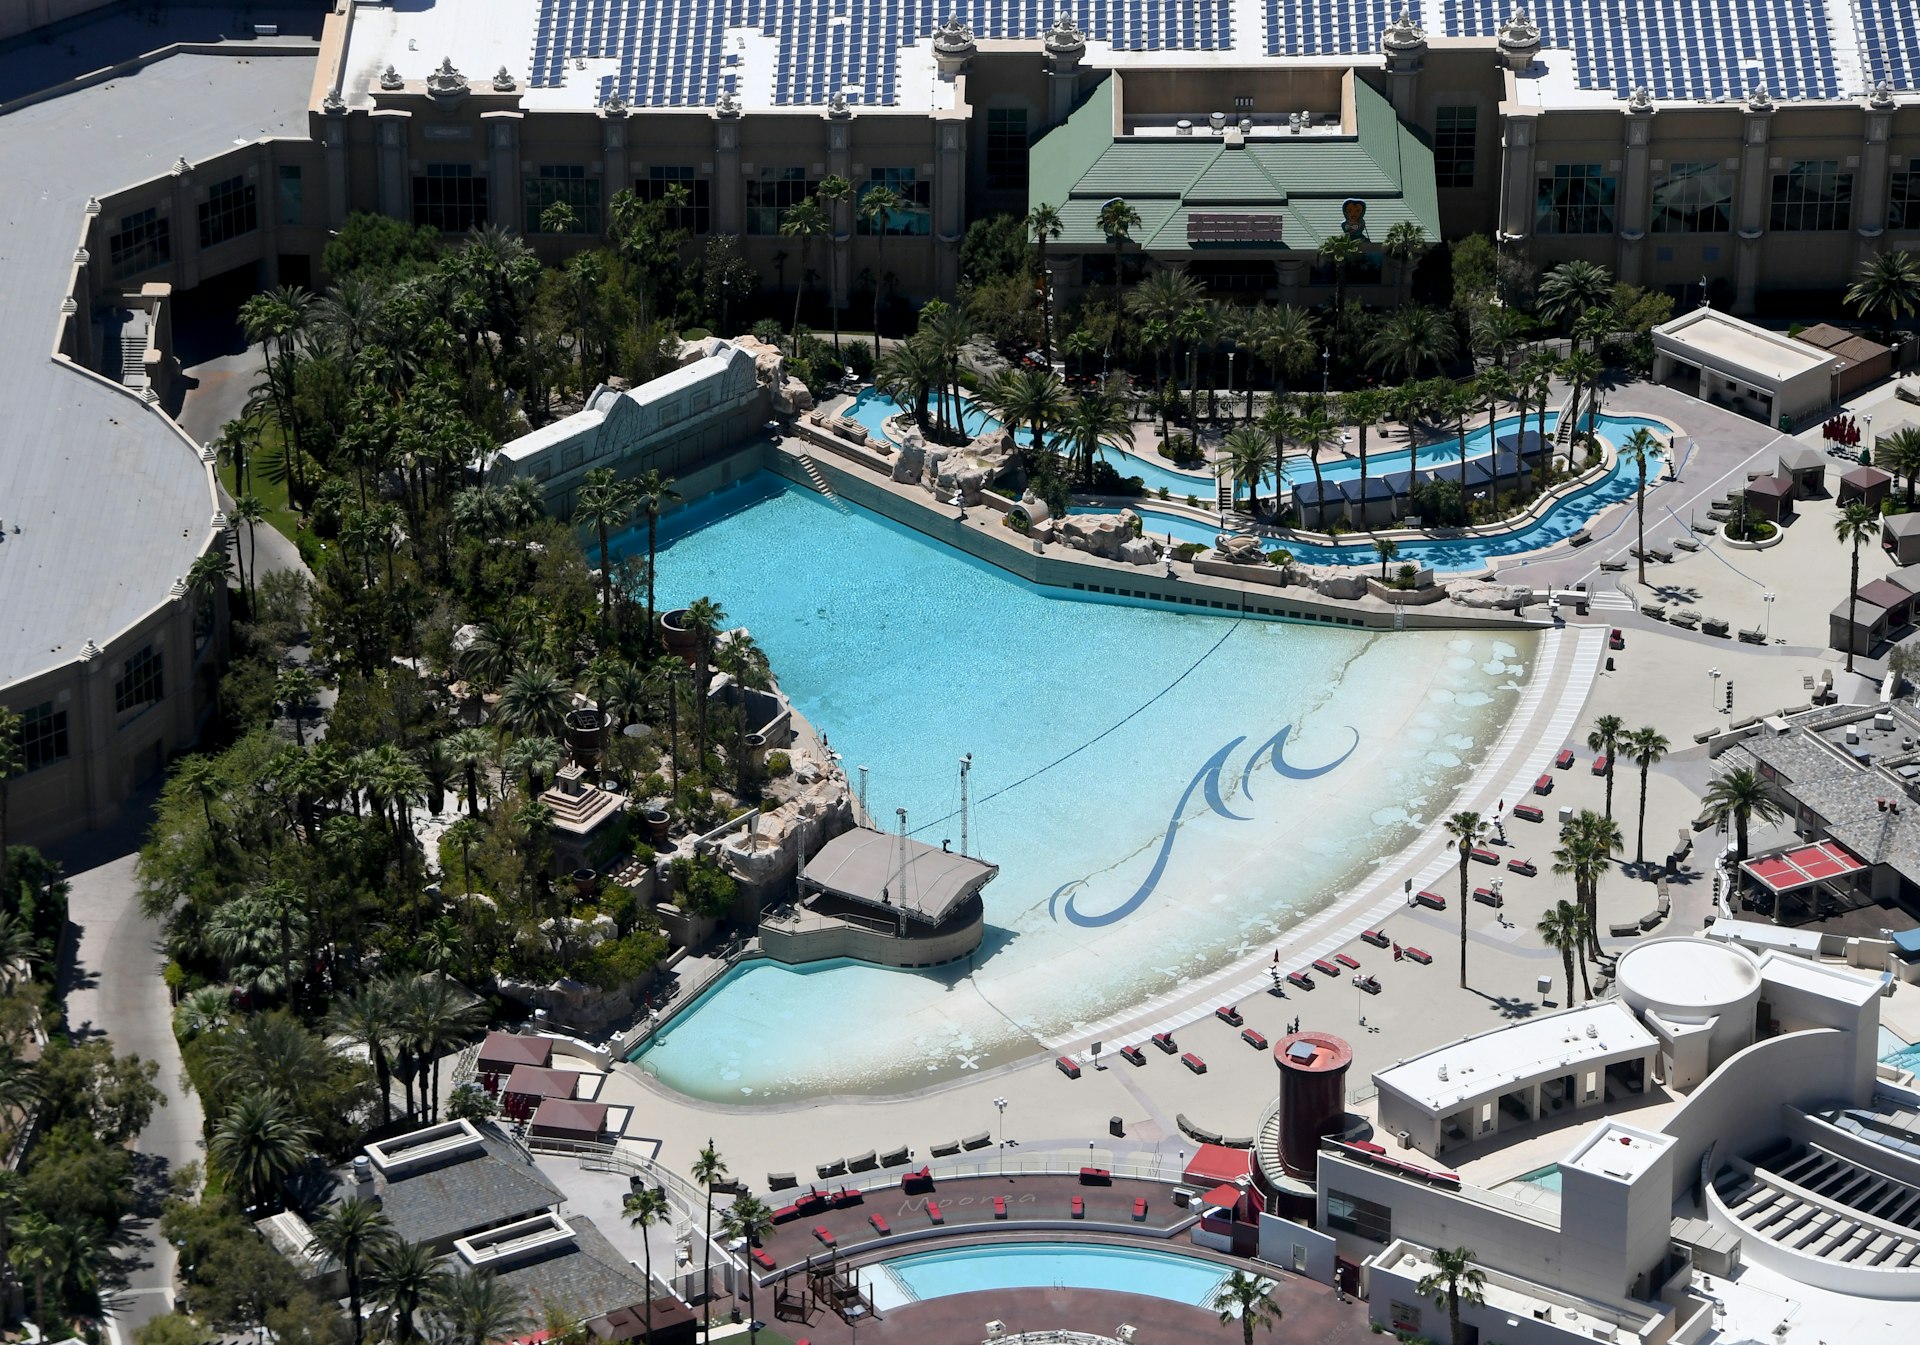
(1126,780)
(1907,1058)
(1045,1265)
(1546,1178)
(872,407)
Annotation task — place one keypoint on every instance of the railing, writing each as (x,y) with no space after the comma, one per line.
(988,1163)
(597,1157)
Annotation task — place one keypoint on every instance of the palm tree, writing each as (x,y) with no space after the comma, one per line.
(1570,289)
(1899,453)
(1247,459)
(1738,796)
(480,1307)
(259,1143)
(534,701)
(1339,251)
(1313,431)
(370,1016)
(1455,1280)
(1855,525)
(1035,398)
(1363,409)
(1410,340)
(1117,220)
(1247,1298)
(296,690)
(1609,732)
(646,1207)
(1639,449)
(1190,325)
(1163,297)
(707,1169)
(1464,829)
(750,1219)
(1493,386)
(199,778)
(275,320)
(652,493)
(1287,339)
(1093,420)
(249,510)
(878,206)
(1405,244)
(1646,746)
(405,1277)
(833,192)
(348,1233)
(1280,423)
(805,221)
(1498,330)
(1457,403)
(1386,548)
(470,749)
(1890,286)
(435,1014)
(1043,222)
(1560,929)
(1587,845)
(704,618)
(1582,369)
(604,505)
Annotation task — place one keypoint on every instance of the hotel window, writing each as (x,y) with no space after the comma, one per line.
(696,216)
(1006,149)
(1576,199)
(293,202)
(1812,195)
(448,197)
(145,240)
(1363,1218)
(1903,200)
(915,216)
(1454,133)
(563,184)
(1693,198)
(140,681)
(43,735)
(772,194)
(228,212)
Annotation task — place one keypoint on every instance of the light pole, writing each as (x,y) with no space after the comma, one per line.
(1326,371)
(1703,290)
(1233,358)
(1713,688)
(726,294)
(1000,1105)
(1046,316)
(1767,598)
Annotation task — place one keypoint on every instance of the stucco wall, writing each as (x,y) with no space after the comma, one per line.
(1801,1069)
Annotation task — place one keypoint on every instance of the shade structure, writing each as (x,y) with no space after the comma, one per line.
(502,1052)
(1804,867)
(532,1081)
(563,1118)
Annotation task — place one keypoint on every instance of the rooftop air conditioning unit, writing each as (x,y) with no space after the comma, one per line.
(1217,120)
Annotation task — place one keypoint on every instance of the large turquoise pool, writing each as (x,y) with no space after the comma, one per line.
(1045,1265)
(1126,779)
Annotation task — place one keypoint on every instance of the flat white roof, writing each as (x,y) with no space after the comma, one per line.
(1753,934)
(1688,973)
(1443,1079)
(1819,978)
(1731,343)
(1619,1151)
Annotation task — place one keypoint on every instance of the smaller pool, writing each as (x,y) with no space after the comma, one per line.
(1546,1178)
(1159,524)
(1906,1058)
(1046,1265)
(1891,1043)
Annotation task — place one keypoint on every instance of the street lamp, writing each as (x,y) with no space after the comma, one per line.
(1233,357)
(726,294)
(1713,688)
(1703,290)
(1000,1105)
(1767,598)
(1326,371)
(1046,316)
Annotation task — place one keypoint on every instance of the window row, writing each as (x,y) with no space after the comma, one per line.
(1811,196)
(43,735)
(144,239)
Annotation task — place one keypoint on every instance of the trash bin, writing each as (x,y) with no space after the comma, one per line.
(1115,1127)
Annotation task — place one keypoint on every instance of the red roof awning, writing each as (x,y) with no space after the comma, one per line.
(1804,866)
(1225,1196)
(532,1081)
(1214,1163)
(564,1118)
(501,1051)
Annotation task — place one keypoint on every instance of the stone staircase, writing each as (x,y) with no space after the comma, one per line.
(819,480)
(133,357)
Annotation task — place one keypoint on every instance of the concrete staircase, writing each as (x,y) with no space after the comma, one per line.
(819,480)
(133,357)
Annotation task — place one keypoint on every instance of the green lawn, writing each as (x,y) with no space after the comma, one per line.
(281,516)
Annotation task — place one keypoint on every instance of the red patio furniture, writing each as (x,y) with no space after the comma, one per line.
(1433,901)
(933,1212)
(1377,938)
(1194,1063)
(764,1261)
(1368,984)
(1600,765)
(921,1180)
(1346,961)
(1544,785)
(999,1207)
(1527,812)
(1095,1177)
(1420,955)
(1563,759)
(1253,1039)
(1132,1055)
(880,1225)
(1068,1066)
(1301,979)
(1229,1014)
(1617,640)
(1487,896)
(1079,1208)
(1526,868)
(1164,1040)
(786,1214)
(825,1235)
(1324,967)
(1481,855)
(846,1196)
(1139,1208)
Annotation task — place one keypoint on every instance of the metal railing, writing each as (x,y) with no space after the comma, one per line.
(610,1158)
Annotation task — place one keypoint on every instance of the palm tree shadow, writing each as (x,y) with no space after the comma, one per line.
(1506,1005)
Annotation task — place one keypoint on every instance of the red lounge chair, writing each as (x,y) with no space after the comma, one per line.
(764,1261)
(1617,640)
(1068,1066)
(1420,955)
(1487,896)
(917,1181)
(1376,938)
(1229,1014)
(1095,1177)
(1324,967)
(1194,1063)
(1563,760)
(1481,855)
(1526,812)
(1139,1208)
(810,1202)
(1164,1040)
(786,1214)
(1079,1208)
(933,1212)
(846,1196)
(1346,961)
(1301,979)
(1600,765)
(1433,901)
(1368,984)
(1524,867)
(999,1207)
(1544,785)
(880,1225)
(825,1235)
(1131,1054)
(1253,1039)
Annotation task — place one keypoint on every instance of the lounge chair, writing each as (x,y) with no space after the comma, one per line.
(1346,961)
(1139,1209)
(1324,967)
(825,1235)
(1714,625)
(1685,619)
(1376,938)
(1132,1055)
(933,1212)
(1253,1039)
(1661,554)
(1079,1208)
(999,1207)
(1685,543)
(880,1224)
(1656,610)
(765,1262)
(1613,566)
(1753,637)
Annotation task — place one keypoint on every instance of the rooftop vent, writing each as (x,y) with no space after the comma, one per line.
(1217,120)
(1183,127)
(509,1244)
(1884,721)
(408,1153)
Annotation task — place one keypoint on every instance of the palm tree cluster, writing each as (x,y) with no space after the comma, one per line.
(1587,846)
(415,1295)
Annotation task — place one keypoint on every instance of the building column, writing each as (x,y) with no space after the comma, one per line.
(94,717)
(1519,133)
(1635,201)
(390,156)
(1870,179)
(1404,44)
(185,229)
(504,201)
(333,139)
(616,175)
(1065,46)
(1756,187)
(841,214)
(729,208)
(949,201)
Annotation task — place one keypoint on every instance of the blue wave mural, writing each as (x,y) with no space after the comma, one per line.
(1206,781)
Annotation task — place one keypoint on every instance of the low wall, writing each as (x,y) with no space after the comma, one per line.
(815,938)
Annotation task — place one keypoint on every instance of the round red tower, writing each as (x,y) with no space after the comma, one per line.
(1313,1095)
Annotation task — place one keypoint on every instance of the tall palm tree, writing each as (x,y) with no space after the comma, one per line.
(1855,525)
(534,702)
(370,1017)
(833,192)
(1280,422)
(1313,431)
(480,1307)
(878,206)
(1190,325)
(1899,453)
(1117,221)
(1606,738)
(1247,1299)
(704,618)
(405,1278)
(1498,330)
(652,493)
(1247,460)
(1582,369)
(1455,1280)
(470,749)
(296,689)
(1570,289)
(1339,251)
(1363,409)
(804,221)
(1646,746)
(436,1014)
(1093,420)
(1459,402)
(1035,398)
(259,1143)
(1464,829)
(276,320)
(1587,846)
(1287,339)
(1560,930)
(249,510)
(1405,244)
(750,1219)
(1410,340)
(1043,222)
(1493,386)
(646,1207)
(348,1233)
(1739,796)
(604,505)
(707,1169)
(1888,285)
(1639,449)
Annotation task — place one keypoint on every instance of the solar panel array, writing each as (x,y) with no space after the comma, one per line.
(672,53)
(1677,48)
(1891,51)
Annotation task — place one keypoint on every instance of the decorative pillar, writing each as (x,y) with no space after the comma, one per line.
(953,48)
(1635,187)
(333,141)
(949,200)
(502,131)
(729,208)
(1066,47)
(840,213)
(1519,196)
(390,137)
(1750,227)
(95,716)
(1404,44)
(1519,42)
(1870,180)
(185,230)
(616,174)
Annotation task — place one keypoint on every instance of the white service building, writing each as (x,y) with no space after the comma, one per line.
(1721,359)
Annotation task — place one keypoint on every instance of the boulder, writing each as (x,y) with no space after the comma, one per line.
(1491,597)
(1140,551)
(769,364)
(1338,583)
(911,463)
(792,397)
(1099,534)
(1240,550)
(692,352)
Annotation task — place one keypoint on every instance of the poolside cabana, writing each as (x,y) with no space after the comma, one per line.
(1865,485)
(1900,537)
(1893,598)
(1908,578)
(503,1052)
(563,1118)
(536,1084)
(1868,628)
(1529,443)
(1369,505)
(1319,503)
(1807,466)
(1771,498)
